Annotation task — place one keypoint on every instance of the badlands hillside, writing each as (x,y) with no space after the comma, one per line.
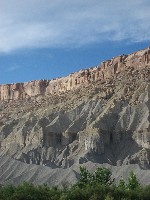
(97,116)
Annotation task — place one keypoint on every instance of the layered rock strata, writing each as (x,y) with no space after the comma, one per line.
(103,72)
(103,116)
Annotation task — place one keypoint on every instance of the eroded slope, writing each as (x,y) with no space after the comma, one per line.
(103,120)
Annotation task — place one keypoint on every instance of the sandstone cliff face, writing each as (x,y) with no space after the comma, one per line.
(100,115)
(103,72)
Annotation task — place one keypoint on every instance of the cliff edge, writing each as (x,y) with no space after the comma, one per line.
(97,115)
(105,71)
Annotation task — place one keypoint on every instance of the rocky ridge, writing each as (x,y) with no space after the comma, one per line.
(105,71)
(97,115)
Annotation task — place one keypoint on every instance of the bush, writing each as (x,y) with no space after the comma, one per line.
(92,186)
(133,183)
(100,175)
(122,184)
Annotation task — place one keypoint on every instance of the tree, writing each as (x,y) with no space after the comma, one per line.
(85,176)
(100,175)
(122,184)
(103,176)
(132,181)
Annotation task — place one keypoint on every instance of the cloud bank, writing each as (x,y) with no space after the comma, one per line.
(65,23)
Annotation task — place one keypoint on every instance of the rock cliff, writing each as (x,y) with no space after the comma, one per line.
(105,71)
(99,115)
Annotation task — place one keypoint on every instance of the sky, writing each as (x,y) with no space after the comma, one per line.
(45,39)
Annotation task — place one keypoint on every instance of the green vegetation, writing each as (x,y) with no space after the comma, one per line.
(91,186)
(101,176)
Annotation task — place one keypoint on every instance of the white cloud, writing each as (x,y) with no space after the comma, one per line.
(65,23)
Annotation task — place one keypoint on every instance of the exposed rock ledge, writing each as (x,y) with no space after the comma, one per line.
(103,72)
(104,120)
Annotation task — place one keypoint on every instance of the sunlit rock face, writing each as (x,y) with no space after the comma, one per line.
(101,114)
(103,72)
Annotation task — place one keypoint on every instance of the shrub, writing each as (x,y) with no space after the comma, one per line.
(133,182)
(100,175)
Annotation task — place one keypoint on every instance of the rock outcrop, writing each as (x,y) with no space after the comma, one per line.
(99,115)
(103,72)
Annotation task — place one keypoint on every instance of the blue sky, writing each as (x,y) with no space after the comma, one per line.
(45,39)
